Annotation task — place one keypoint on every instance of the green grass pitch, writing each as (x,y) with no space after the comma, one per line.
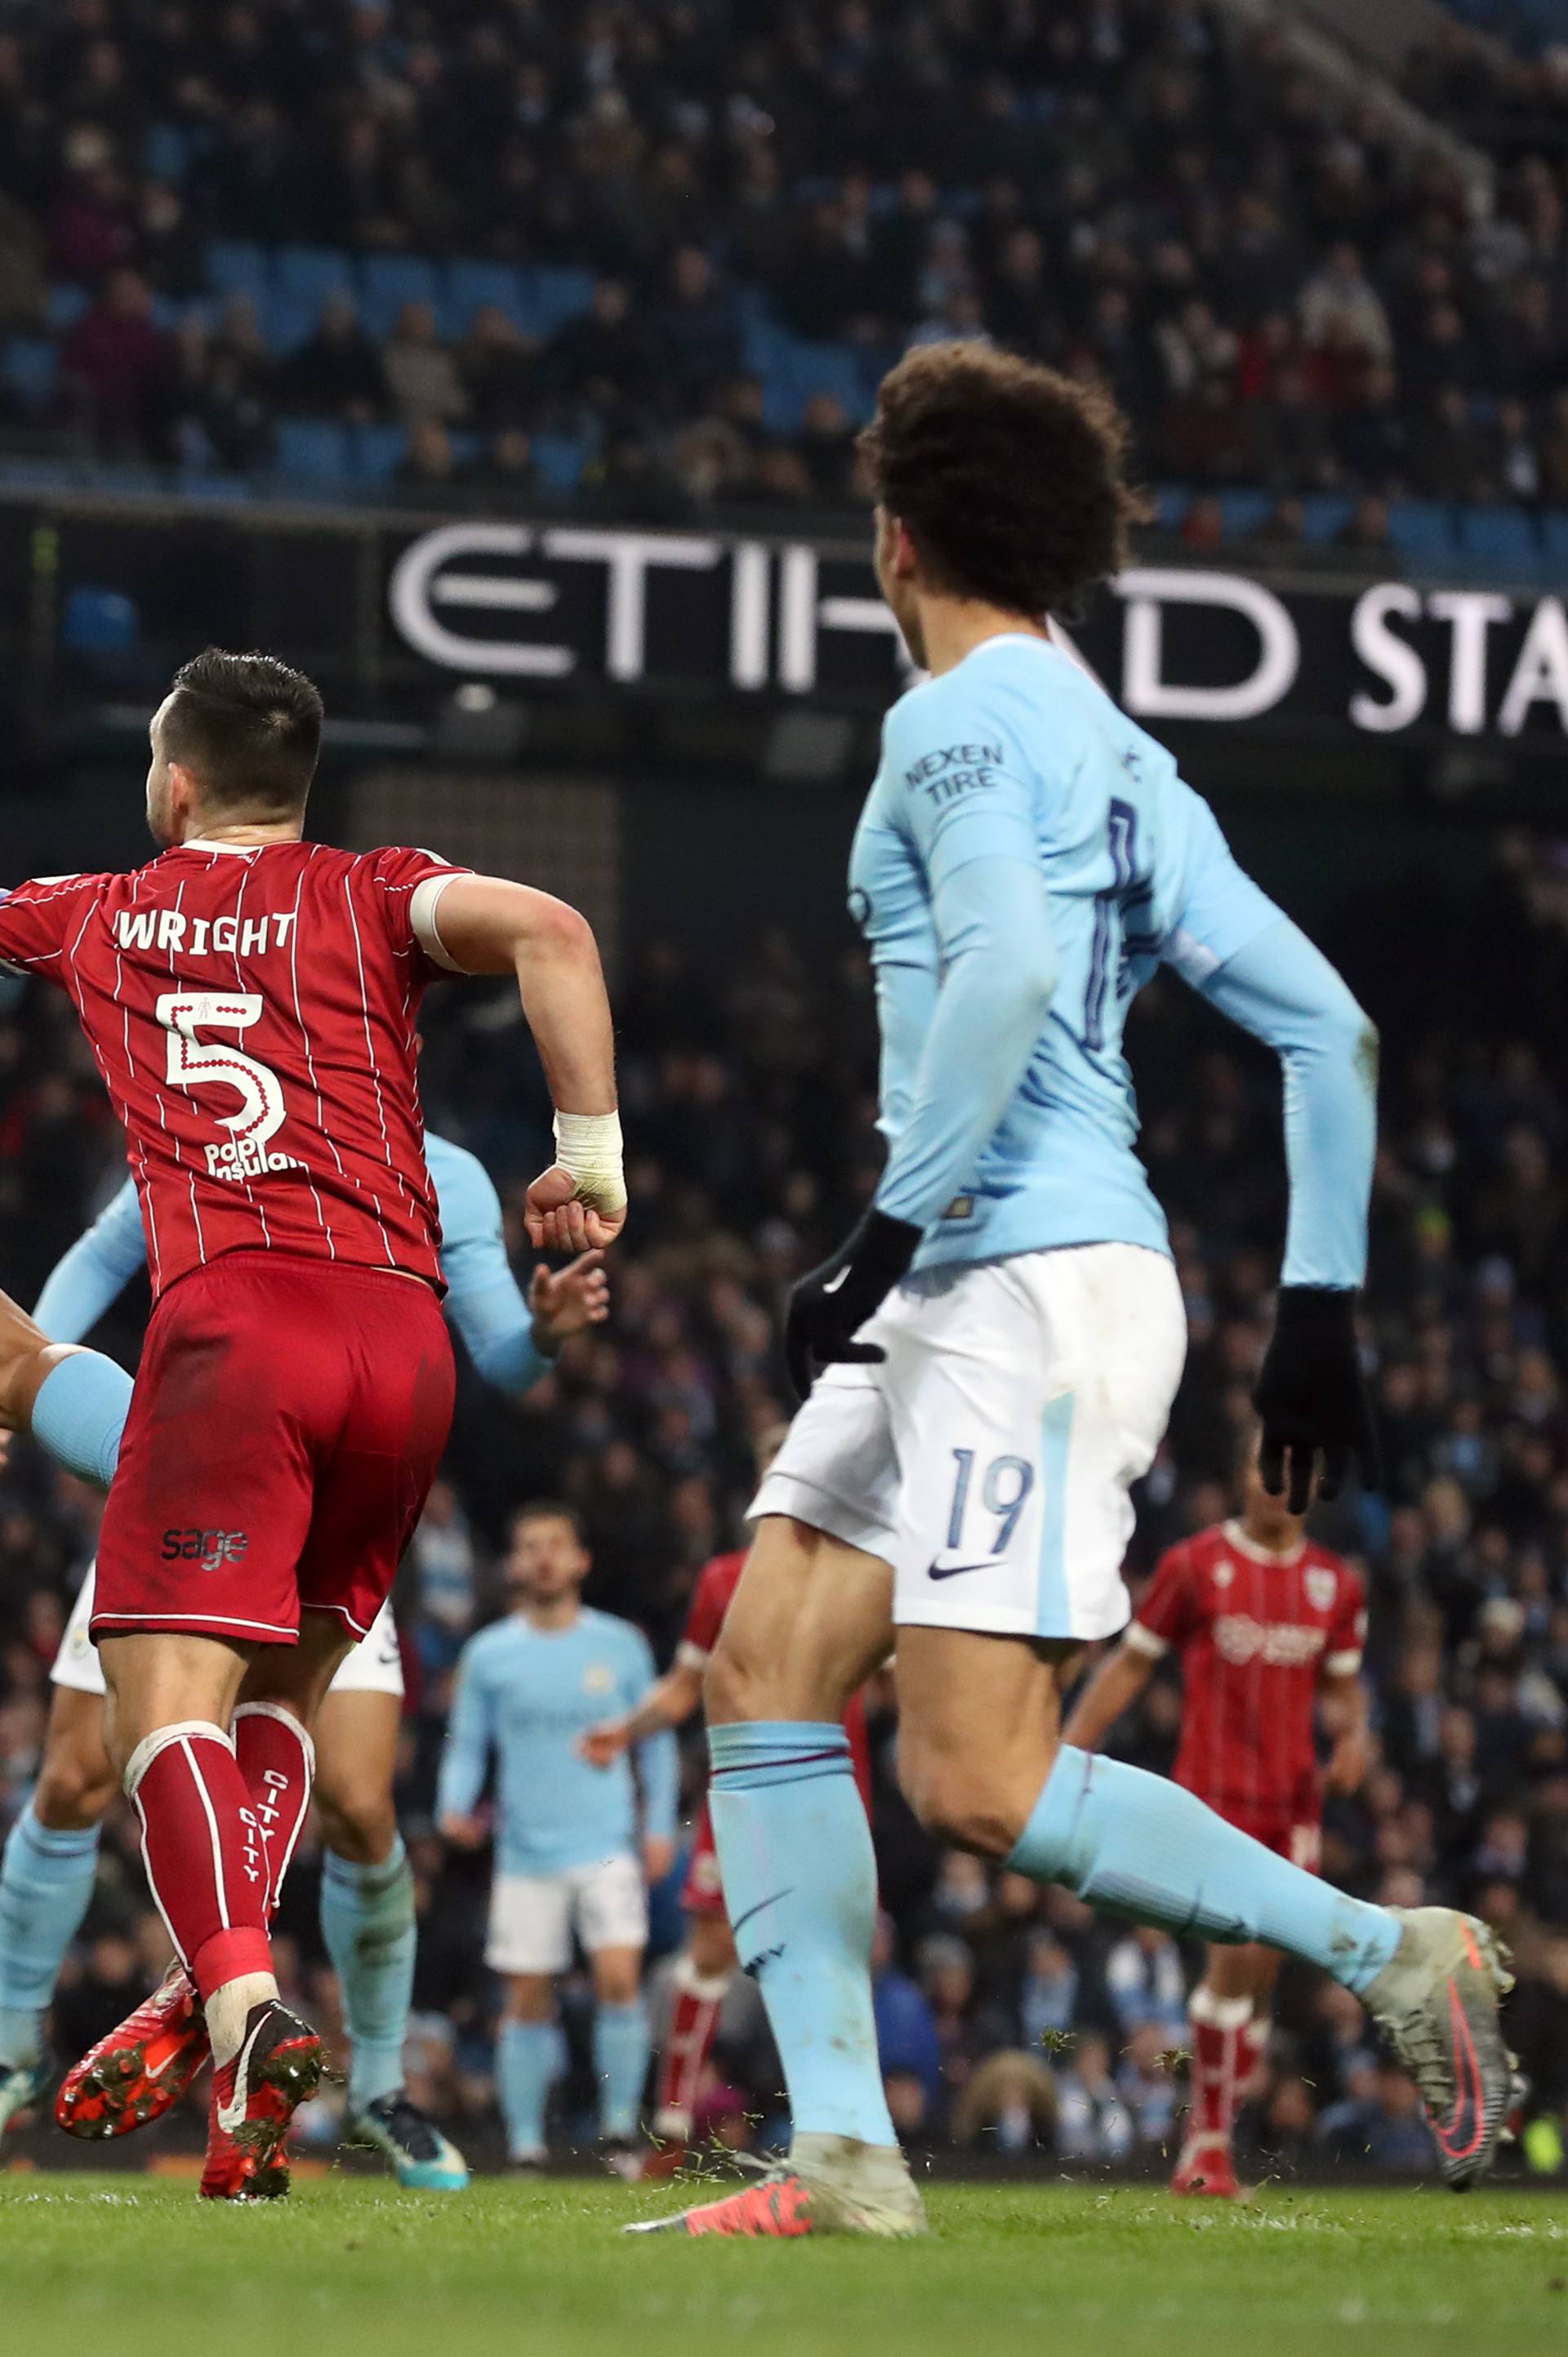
(126,2265)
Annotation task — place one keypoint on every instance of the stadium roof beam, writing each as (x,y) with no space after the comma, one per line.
(1350,47)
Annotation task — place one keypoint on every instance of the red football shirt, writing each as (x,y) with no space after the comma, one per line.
(710,1599)
(252,1012)
(1255,1633)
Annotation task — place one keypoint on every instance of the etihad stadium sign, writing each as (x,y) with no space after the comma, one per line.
(547,602)
(394,610)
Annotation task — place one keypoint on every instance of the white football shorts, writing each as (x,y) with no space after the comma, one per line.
(533,1916)
(989,1457)
(375,1666)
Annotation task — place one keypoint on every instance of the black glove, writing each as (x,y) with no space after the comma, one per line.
(828,1307)
(1312,1397)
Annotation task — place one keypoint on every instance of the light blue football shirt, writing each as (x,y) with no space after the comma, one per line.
(1026,858)
(523,1698)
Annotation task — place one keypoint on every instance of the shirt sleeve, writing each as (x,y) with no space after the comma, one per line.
(470,1732)
(1348,1636)
(41,922)
(959,784)
(1164,1617)
(484,1299)
(1285,993)
(658,1755)
(397,877)
(706,1617)
(95,1271)
(1220,908)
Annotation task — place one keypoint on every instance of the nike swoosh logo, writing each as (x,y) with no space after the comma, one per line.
(936,1569)
(831,1284)
(771,1901)
(231,2116)
(1462,2134)
(156,2069)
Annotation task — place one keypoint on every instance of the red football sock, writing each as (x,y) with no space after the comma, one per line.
(693,2025)
(1219,2060)
(277,1759)
(202,1851)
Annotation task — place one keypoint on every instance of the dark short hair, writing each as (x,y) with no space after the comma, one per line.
(551,1510)
(1009,477)
(248,728)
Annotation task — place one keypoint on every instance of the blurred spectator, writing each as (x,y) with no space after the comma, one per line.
(427,466)
(502,370)
(337,371)
(1341,310)
(1092,2121)
(1366,531)
(505,472)
(115,367)
(421,373)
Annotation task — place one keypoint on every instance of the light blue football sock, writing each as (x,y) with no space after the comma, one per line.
(78,1415)
(620,2065)
(526,2059)
(46,1882)
(800,1885)
(367,1926)
(1137,1844)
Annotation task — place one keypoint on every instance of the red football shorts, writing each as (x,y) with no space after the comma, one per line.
(1290,1833)
(288,1419)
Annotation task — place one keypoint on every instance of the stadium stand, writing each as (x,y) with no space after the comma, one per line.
(220,230)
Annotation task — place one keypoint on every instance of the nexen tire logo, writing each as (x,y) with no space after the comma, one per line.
(755,614)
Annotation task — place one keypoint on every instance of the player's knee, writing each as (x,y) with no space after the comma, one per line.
(618,1983)
(358,1820)
(957,1803)
(73,1792)
(530,1996)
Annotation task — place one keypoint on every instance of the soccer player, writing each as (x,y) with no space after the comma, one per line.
(569,1859)
(706,1963)
(251,1000)
(992,1355)
(367,1891)
(1267,1626)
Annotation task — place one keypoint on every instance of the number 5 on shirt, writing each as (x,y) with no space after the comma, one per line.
(196,1063)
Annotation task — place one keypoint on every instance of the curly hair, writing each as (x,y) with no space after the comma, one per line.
(1009,477)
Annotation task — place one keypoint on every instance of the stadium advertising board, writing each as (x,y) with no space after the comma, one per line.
(549,602)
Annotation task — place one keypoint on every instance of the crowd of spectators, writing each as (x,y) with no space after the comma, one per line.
(1282,290)
(1011,2020)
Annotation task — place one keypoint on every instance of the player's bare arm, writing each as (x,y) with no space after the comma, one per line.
(27,1358)
(484,924)
(668,1704)
(1118,1680)
(81,1421)
(1342,1702)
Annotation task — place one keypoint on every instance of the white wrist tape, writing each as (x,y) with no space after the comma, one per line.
(588,1148)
